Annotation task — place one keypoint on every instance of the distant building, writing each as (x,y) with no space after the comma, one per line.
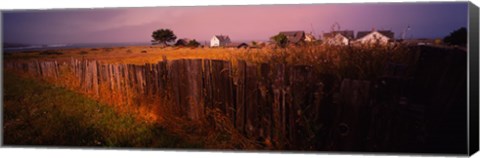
(309,37)
(219,41)
(338,37)
(294,37)
(372,37)
(237,45)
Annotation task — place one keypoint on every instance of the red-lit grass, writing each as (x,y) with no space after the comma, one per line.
(37,113)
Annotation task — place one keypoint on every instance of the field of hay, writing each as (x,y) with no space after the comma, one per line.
(346,61)
(131,54)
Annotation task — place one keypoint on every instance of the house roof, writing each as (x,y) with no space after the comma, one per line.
(386,33)
(361,34)
(222,38)
(346,33)
(294,36)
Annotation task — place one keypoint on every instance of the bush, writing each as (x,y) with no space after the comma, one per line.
(51,53)
(280,40)
(457,37)
(193,43)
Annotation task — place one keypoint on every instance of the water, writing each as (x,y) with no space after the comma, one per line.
(71,46)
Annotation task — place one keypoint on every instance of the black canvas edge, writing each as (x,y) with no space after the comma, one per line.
(1,79)
(473,66)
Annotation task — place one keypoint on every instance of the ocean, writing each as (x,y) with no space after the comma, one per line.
(69,46)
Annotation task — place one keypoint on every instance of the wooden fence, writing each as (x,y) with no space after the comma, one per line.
(295,107)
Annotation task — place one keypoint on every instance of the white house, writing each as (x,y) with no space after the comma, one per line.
(309,37)
(372,37)
(338,37)
(219,41)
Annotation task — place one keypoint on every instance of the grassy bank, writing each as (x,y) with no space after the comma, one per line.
(37,113)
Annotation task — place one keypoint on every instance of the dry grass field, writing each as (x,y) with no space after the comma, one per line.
(364,61)
(132,54)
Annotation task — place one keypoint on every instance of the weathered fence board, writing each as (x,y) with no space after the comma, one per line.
(353,103)
(239,79)
(186,75)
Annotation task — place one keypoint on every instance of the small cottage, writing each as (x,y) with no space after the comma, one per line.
(373,37)
(309,37)
(338,37)
(219,41)
(294,36)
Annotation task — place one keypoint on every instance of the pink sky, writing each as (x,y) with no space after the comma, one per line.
(241,23)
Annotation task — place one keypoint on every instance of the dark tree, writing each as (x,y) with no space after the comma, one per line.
(457,37)
(193,43)
(162,36)
(280,39)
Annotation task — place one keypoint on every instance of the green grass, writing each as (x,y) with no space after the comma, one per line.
(37,113)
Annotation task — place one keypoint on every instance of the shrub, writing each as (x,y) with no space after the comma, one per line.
(51,53)
(193,43)
(457,37)
(280,40)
